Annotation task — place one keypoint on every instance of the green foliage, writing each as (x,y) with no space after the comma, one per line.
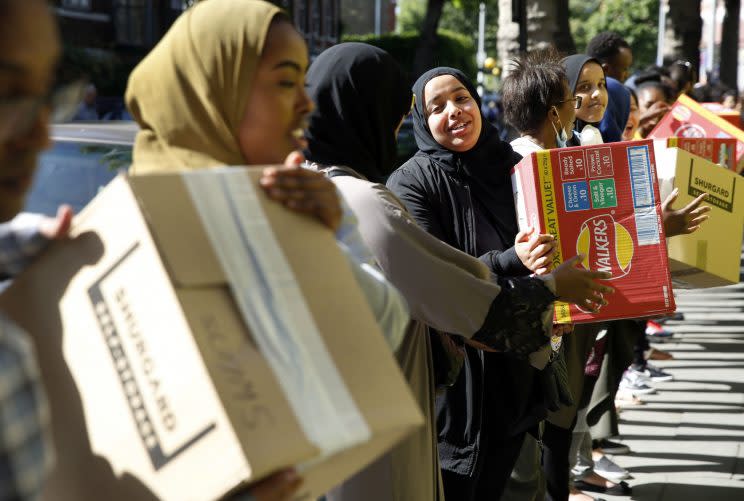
(636,21)
(453,49)
(458,16)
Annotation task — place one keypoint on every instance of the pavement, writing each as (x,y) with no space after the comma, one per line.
(687,440)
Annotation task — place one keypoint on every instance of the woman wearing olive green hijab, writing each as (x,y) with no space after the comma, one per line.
(225,86)
(205,96)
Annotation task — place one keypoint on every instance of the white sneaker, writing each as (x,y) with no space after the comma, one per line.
(610,469)
(636,383)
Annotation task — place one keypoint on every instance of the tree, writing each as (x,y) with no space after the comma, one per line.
(547,25)
(637,24)
(730,44)
(458,16)
(684,29)
(428,36)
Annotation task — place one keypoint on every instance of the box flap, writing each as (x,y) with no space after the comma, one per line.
(177,230)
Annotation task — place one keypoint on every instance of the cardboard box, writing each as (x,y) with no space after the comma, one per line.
(688,118)
(720,151)
(731,116)
(158,388)
(711,256)
(602,201)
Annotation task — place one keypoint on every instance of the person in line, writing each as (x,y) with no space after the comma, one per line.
(351,137)
(654,100)
(613,52)
(541,106)
(587,80)
(244,102)
(633,117)
(30,51)
(458,188)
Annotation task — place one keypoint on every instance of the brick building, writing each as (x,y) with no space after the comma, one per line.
(317,20)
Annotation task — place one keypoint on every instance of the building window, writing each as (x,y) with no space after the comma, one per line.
(76,4)
(133,22)
(329,20)
(300,17)
(315,19)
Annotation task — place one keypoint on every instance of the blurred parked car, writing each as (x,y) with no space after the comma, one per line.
(85,156)
(83,159)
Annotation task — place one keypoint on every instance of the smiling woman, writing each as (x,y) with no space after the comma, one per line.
(586,79)
(275,114)
(453,116)
(458,188)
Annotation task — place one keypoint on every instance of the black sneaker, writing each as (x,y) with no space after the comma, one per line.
(609,447)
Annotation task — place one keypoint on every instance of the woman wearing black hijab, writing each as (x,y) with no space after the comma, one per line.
(458,188)
(586,78)
(361,99)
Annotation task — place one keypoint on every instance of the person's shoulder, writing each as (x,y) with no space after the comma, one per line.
(418,167)
(368,193)
(524,146)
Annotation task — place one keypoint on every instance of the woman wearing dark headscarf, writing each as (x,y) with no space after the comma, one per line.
(458,188)
(361,98)
(586,79)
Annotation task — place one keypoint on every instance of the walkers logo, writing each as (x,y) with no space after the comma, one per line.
(607,245)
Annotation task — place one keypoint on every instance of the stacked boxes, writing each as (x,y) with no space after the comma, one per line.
(688,118)
(601,201)
(721,151)
(711,256)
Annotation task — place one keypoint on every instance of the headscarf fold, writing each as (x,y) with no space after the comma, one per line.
(574,64)
(361,94)
(616,115)
(188,95)
(488,161)
(487,165)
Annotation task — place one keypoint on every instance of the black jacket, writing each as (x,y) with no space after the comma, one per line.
(492,388)
(465,199)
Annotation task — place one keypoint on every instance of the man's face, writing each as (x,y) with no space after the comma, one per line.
(618,67)
(29,50)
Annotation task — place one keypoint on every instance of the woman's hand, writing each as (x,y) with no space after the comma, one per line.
(303,190)
(278,487)
(685,220)
(580,286)
(535,250)
(560,329)
(57,228)
(651,117)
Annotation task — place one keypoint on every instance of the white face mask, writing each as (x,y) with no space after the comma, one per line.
(590,135)
(561,138)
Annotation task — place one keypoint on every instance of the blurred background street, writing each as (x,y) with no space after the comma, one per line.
(688,438)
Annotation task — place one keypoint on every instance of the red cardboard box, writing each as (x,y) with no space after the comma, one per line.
(719,150)
(731,116)
(602,201)
(688,118)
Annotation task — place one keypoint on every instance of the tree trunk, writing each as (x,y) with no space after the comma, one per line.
(730,44)
(684,29)
(424,59)
(562,37)
(547,24)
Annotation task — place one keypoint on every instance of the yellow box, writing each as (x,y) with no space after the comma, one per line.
(711,256)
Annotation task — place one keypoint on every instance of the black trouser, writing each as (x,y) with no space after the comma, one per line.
(555,461)
(489,479)
(641,345)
